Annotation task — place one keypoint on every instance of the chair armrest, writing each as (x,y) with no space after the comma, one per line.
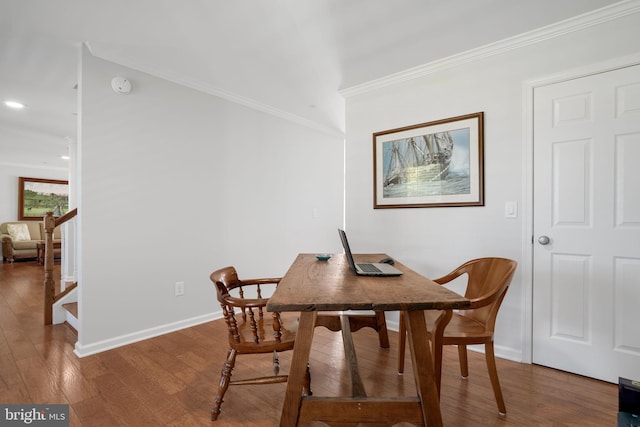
(246,303)
(262,281)
(449,277)
(486,299)
(480,301)
(7,247)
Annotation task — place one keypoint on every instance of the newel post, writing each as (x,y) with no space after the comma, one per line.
(49,283)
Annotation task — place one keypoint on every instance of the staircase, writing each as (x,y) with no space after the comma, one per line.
(59,307)
(71,319)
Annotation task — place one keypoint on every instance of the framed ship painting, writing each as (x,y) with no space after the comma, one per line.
(38,196)
(434,164)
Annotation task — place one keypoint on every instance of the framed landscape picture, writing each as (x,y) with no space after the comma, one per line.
(38,196)
(434,164)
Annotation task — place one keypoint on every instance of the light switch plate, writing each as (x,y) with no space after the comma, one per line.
(511,209)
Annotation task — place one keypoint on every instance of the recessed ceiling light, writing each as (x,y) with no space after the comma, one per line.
(65,157)
(14,104)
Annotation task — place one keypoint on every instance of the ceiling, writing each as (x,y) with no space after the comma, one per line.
(290,56)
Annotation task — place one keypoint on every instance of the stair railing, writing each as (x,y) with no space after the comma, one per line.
(50,296)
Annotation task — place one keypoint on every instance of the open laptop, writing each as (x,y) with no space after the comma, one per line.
(368,268)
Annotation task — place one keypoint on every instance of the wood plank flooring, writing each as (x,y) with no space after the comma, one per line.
(171,380)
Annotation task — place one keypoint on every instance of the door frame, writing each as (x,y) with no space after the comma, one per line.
(527,181)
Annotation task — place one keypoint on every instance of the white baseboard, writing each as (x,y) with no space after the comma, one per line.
(100,346)
(508,353)
(87,350)
(502,352)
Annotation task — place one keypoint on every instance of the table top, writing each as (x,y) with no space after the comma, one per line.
(312,285)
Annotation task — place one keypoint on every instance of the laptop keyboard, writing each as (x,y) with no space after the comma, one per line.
(369,268)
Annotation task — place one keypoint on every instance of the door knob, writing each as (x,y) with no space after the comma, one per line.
(544,240)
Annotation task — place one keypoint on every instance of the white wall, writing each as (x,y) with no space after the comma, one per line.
(435,240)
(9,175)
(175,183)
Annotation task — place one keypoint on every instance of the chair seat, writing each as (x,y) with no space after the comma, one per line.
(459,328)
(247,344)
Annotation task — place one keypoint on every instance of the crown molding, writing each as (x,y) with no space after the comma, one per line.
(577,23)
(220,93)
(34,166)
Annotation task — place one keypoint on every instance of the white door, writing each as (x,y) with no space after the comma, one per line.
(586,284)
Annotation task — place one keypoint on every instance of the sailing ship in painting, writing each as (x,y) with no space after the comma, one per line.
(422,165)
(421,158)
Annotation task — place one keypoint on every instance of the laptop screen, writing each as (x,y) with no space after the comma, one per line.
(347,251)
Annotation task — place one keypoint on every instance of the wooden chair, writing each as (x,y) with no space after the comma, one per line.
(252,330)
(487,282)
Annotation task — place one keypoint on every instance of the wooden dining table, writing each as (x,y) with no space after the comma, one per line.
(311,287)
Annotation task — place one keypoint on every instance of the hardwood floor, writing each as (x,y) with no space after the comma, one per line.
(171,380)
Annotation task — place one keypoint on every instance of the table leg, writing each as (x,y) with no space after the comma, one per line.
(422,361)
(298,370)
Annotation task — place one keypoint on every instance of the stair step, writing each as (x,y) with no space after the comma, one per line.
(73,330)
(72,316)
(72,308)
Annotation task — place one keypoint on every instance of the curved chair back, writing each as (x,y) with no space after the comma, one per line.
(488,281)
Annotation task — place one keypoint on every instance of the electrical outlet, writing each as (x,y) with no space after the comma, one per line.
(179,288)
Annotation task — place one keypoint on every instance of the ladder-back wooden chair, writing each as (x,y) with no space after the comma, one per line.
(252,330)
(487,282)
